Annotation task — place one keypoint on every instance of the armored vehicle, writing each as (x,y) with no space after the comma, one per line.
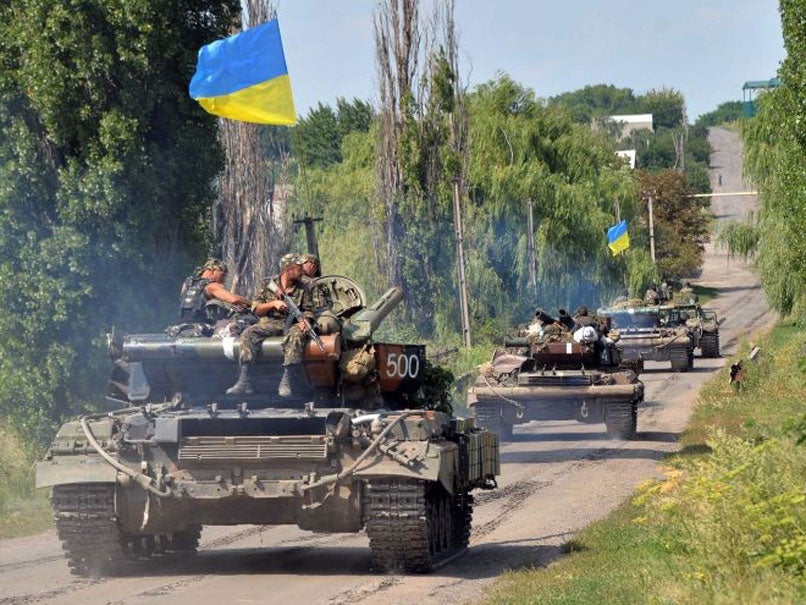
(703,324)
(358,451)
(651,332)
(558,376)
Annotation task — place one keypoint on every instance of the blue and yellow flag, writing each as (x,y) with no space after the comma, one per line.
(244,77)
(617,238)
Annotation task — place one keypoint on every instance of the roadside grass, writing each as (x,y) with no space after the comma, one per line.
(23,509)
(727,524)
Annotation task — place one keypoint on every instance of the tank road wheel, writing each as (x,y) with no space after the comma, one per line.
(185,542)
(414,525)
(488,416)
(85,521)
(680,358)
(621,419)
(709,344)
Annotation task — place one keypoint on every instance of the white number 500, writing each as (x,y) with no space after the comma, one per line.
(402,365)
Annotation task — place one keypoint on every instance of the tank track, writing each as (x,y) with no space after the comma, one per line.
(414,525)
(681,359)
(621,419)
(93,542)
(709,344)
(488,416)
(85,522)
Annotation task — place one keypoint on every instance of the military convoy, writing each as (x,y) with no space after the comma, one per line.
(558,374)
(359,450)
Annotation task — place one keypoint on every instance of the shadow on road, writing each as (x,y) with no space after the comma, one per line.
(481,561)
(590,453)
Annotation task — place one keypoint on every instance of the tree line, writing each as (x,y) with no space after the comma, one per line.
(109,175)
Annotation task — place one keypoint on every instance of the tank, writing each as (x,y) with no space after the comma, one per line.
(651,332)
(359,451)
(559,376)
(702,323)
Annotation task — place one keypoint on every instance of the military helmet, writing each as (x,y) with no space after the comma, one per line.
(289,259)
(304,258)
(582,311)
(213,264)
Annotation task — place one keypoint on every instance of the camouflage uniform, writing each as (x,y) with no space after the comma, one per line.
(274,323)
(326,321)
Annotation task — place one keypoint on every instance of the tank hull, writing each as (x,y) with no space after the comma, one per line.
(165,474)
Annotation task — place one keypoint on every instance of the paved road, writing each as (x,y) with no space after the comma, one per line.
(557,477)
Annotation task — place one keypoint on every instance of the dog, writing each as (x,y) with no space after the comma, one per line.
(736,375)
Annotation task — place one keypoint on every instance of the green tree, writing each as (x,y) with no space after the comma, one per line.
(729,111)
(107,167)
(775,154)
(680,222)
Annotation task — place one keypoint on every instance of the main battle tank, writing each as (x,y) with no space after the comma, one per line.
(703,323)
(358,452)
(558,376)
(651,332)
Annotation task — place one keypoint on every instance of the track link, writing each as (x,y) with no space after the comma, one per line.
(709,345)
(414,525)
(621,419)
(681,359)
(85,521)
(488,416)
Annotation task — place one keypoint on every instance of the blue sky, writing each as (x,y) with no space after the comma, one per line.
(705,48)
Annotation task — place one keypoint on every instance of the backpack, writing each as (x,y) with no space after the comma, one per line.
(193,301)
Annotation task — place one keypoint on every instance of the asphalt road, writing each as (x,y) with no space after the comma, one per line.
(557,477)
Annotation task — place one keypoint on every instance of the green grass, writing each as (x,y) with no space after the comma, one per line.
(726,525)
(23,509)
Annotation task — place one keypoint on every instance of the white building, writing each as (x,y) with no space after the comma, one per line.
(633,122)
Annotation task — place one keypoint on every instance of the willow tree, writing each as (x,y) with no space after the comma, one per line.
(775,154)
(521,149)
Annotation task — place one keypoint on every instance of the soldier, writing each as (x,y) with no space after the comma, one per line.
(582,319)
(206,285)
(273,313)
(326,320)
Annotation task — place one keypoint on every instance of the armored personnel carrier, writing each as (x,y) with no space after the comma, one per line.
(360,450)
(651,332)
(557,376)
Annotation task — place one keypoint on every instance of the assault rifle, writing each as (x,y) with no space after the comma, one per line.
(294,312)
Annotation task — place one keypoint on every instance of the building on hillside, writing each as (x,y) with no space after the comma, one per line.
(631,122)
(629,155)
(752,87)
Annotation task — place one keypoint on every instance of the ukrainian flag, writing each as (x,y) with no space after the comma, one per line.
(617,238)
(244,77)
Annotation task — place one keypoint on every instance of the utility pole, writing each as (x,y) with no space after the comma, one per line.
(310,234)
(651,232)
(531,244)
(460,263)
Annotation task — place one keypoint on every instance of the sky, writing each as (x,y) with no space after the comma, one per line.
(704,48)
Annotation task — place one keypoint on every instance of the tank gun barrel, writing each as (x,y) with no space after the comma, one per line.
(364,323)
(516,342)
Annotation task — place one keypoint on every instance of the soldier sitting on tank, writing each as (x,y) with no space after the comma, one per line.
(326,321)
(582,319)
(202,289)
(273,316)
(651,297)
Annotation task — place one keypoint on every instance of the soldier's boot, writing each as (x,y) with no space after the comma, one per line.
(292,382)
(244,384)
